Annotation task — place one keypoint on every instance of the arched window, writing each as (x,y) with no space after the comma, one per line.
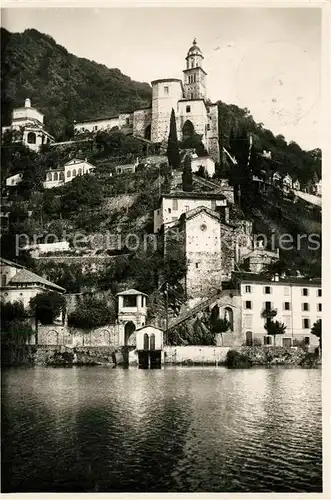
(56,176)
(152,342)
(61,176)
(146,342)
(188,129)
(31,138)
(69,173)
(79,171)
(49,176)
(74,173)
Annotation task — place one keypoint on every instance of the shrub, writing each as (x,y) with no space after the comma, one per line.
(47,307)
(235,359)
(92,313)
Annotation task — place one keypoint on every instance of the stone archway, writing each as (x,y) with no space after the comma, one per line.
(228,315)
(188,129)
(129,329)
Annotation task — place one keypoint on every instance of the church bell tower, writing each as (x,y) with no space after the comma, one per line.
(194,74)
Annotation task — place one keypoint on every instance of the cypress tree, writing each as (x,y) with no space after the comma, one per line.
(187,174)
(173,150)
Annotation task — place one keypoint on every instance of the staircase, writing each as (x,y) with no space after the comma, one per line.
(196,309)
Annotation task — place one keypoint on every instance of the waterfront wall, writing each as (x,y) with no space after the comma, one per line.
(195,354)
(63,335)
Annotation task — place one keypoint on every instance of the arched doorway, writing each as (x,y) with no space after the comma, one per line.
(228,315)
(188,129)
(215,313)
(146,342)
(249,338)
(129,328)
(31,138)
(147,133)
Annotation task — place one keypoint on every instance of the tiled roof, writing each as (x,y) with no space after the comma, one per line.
(26,276)
(10,263)
(195,196)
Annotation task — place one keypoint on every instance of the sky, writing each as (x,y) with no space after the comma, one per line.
(265,59)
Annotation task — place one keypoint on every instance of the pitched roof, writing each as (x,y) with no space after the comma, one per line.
(150,326)
(132,291)
(195,211)
(26,276)
(10,263)
(253,277)
(196,196)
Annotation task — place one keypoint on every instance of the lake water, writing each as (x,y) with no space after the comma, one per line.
(88,429)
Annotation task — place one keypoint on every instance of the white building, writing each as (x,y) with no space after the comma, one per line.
(28,124)
(70,170)
(20,284)
(297,301)
(132,312)
(14,180)
(205,162)
(42,248)
(173,205)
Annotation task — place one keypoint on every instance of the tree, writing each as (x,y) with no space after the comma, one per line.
(317,331)
(220,325)
(172,149)
(187,174)
(47,307)
(92,312)
(275,328)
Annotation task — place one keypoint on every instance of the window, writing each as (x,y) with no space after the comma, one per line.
(95,127)
(169,210)
(268,306)
(166,90)
(74,173)
(128,121)
(196,265)
(175,204)
(287,342)
(267,340)
(248,318)
(79,171)
(305,306)
(130,301)
(287,321)
(213,204)
(267,289)
(3,280)
(188,109)
(192,95)
(208,126)
(286,290)
(55,176)
(248,289)
(287,306)
(307,340)
(319,307)
(248,304)
(68,173)
(305,323)
(61,176)
(319,292)
(49,176)
(305,292)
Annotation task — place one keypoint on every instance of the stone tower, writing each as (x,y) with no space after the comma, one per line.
(194,74)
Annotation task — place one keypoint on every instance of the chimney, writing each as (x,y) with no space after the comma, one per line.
(27,103)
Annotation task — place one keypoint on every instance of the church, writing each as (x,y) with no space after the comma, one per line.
(188,97)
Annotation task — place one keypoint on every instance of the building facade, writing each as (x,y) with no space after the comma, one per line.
(20,284)
(73,168)
(189,100)
(28,127)
(296,301)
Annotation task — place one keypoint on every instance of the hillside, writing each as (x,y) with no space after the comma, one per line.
(62,86)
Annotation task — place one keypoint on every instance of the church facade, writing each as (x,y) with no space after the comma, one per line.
(187,97)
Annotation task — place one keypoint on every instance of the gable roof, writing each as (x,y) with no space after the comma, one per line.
(194,195)
(149,326)
(132,291)
(196,211)
(10,263)
(28,277)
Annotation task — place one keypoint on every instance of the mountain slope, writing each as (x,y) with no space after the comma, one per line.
(62,86)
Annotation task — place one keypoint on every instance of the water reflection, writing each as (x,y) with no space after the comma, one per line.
(212,429)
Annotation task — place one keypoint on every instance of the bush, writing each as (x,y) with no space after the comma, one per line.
(235,359)
(92,313)
(47,307)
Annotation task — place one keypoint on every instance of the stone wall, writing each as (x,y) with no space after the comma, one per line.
(56,335)
(142,118)
(208,355)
